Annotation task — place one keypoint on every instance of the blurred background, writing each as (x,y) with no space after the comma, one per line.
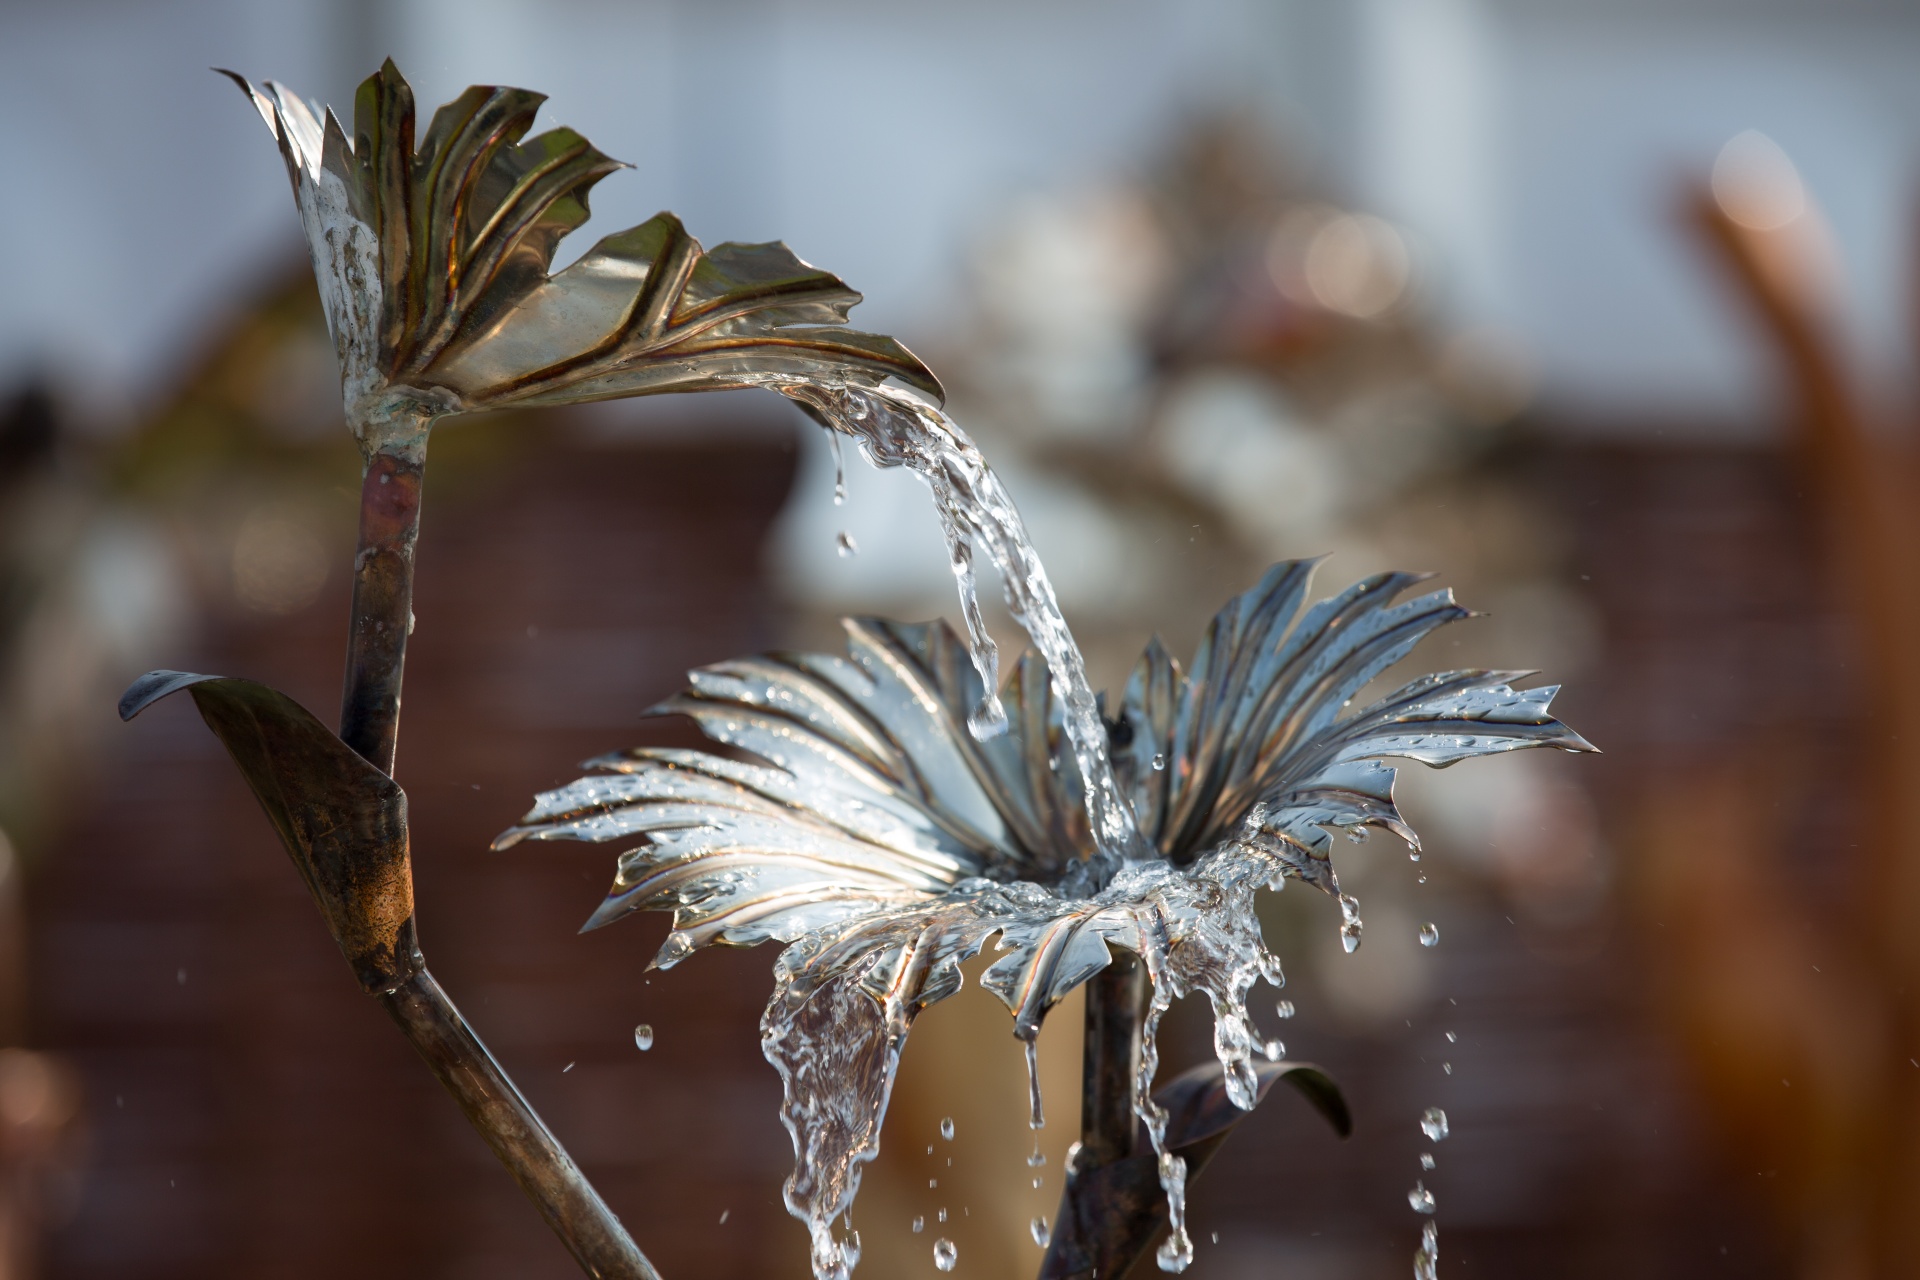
(1603,313)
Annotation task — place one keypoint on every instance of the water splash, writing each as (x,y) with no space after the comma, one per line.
(837,1053)
(1426,1263)
(898,429)
(847,987)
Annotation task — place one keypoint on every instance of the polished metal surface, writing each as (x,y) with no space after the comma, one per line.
(434,257)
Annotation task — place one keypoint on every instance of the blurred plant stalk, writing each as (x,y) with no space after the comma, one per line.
(1806,1023)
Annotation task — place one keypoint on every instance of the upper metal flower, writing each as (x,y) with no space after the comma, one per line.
(433,268)
(871,831)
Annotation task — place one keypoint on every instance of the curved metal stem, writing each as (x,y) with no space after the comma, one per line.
(531,1153)
(395,439)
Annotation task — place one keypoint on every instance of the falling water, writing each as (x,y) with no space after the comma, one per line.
(1426,1263)
(897,429)
(836,1044)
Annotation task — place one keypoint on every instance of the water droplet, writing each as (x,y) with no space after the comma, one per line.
(929,1148)
(1423,877)
(1447,1067)
(1159,761)
(1433,1123)
(944,1254)
(946,1128)
(932,1183)
(1038,1182)
(643,1037)
(1421,1199)
(570,1066)
(1350,925)
(943,1215)
(1042,1233)
(1037,1159)
(1273,1051)
(839,468)
(1176,1254)
(1357,834)
(723,1216)
(919,1225)
(181,976)
(1072,1163)
(1451,1038)
(1426,1263)
(1284,1008)
(1429,934)
(1413,854)
(843,543)
(676,948)
(1426,1159)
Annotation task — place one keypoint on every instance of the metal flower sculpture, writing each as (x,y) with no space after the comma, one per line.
(886,843)
(890,814)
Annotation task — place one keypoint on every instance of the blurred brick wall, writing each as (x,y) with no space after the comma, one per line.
(252,1113)
(256,1117)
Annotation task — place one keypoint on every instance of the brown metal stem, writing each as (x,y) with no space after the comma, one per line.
(1110,1193)
(531,1153)
(1116,1000)
(395,440)
(382,603)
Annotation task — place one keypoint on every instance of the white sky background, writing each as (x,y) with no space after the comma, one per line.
(1532,145)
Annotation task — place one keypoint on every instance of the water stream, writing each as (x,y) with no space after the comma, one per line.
(836,1096)
(898,429)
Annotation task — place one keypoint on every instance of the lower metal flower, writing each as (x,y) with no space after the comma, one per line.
(862,824)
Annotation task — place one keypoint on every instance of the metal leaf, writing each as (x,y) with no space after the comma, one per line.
(343,822)
(435,262)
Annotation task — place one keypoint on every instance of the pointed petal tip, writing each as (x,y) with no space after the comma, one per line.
(609,910)
(153,686)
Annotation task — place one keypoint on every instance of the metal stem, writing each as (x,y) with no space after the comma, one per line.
(1116,1000)
(382,602)
(1105,1198)
(531,1153)
(394,437)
